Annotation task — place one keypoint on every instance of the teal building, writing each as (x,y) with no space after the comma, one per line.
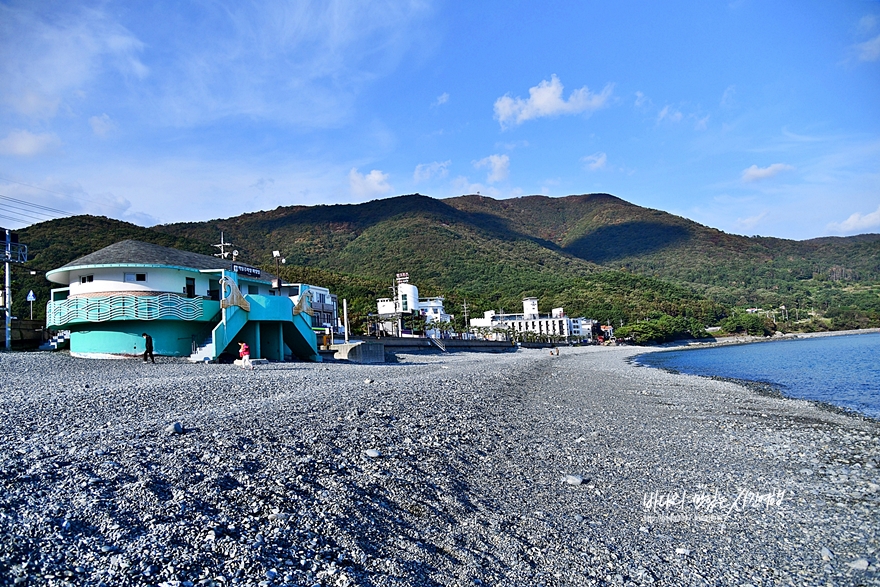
(193,305)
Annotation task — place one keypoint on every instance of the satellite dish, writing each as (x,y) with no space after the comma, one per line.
(235,253)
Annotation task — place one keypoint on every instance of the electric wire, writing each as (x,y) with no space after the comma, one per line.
(106,204)
(31,204)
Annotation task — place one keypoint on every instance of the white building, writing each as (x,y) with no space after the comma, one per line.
(325,306)
(555,326)
(395,312)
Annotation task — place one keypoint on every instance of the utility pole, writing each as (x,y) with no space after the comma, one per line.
(466,329)
(222,246)
(14,253)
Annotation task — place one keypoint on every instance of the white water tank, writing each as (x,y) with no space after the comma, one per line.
(530,308)
(408,296)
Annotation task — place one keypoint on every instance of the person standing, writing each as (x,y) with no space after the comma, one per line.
(245,353)
(148,347)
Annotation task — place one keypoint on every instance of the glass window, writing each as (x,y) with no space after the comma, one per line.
(133,277)
(253,290)
(86,278)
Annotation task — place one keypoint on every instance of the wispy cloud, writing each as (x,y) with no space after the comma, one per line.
(441,99)
(499,167)
(751,221)
(546,99)
(427,171)
(102,125)
(728,98)
(755,173)
(857,222)
(669,114)
(371,185)
(595,161)
(23,143)
(642,101)
(869,50)
(52,55)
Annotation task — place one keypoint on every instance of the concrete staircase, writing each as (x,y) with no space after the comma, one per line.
(203,352)
(61,338)
(437,343)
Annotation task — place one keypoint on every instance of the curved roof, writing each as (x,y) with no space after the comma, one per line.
(132,253)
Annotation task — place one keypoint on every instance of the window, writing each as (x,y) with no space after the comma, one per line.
(404,302)
(293,290)
(253,290)
(86,278)
(133,277)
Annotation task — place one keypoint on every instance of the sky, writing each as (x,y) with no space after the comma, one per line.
(753,117)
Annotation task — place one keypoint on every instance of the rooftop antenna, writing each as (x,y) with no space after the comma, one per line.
(222,246)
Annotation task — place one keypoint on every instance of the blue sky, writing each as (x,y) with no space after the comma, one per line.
(752,117)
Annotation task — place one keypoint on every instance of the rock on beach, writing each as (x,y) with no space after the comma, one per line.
(446,473)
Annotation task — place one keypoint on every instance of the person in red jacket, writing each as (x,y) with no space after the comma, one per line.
(245,353)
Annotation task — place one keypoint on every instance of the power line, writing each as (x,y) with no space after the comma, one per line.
(122,208)
(25,213)
(14,219)
(31,204)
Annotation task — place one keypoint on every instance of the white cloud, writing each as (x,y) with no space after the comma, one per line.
(461,185)
(642,101)
(728,98)
(867,23)
(595,161)
(755,173)
(858,222)
(52,54)
(102,125)
(750,222)
(499,167)
(702,123)
(670,114)
(869,50)
(426,171)
(441,99)
(371,185)
(545,99)
(23,143)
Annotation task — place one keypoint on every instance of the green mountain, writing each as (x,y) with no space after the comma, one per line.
(594,254)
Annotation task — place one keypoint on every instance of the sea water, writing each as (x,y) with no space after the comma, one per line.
(843,370)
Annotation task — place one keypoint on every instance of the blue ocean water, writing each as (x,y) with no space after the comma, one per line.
(841,370)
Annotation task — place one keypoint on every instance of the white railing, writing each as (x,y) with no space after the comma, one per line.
(123,307)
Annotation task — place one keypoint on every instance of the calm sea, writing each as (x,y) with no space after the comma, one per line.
(841,370)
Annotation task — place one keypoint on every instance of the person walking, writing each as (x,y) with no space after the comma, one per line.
(245,353)
(148,347)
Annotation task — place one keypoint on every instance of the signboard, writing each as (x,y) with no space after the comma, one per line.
(245,270)
(31,297)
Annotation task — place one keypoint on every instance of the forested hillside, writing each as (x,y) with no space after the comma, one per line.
(594,254)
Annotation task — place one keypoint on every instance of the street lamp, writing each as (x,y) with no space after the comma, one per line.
(278,262)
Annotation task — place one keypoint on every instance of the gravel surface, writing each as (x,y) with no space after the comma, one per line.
(452,469)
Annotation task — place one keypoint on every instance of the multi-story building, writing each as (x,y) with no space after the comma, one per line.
(191,305)
(325,306)
(406,303)
(552,327)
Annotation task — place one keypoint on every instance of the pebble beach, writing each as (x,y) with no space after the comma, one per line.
(461,469)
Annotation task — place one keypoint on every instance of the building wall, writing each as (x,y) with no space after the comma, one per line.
(112,279)
(123,339)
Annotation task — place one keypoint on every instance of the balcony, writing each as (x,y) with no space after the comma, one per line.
(129,307)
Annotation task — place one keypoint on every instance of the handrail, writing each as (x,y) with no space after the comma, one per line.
(123,307)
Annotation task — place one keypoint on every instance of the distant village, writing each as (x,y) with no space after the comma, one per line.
(202,307)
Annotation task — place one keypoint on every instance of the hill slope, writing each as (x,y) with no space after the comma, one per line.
(595,254)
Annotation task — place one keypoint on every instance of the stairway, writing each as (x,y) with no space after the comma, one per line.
(203,352)
(437,343)
(53,344)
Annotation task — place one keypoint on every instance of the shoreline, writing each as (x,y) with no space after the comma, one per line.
(448,469)
(757,386)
